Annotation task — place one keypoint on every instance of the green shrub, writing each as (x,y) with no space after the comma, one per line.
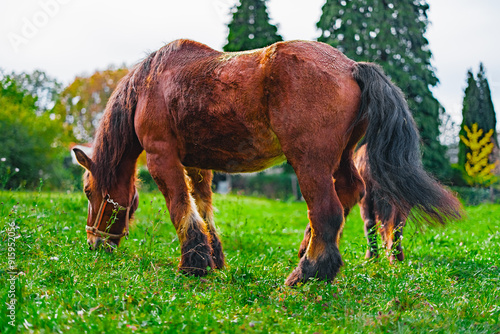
(146,182)
(472,196)
(274,186)
(30,140)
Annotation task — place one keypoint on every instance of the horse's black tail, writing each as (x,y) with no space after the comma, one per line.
(393,151)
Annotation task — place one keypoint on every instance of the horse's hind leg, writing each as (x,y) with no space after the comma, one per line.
(173,182)
(350,189)
(366,207)
(348,183)
(392,233)
(201,180)
(322,257)
(396,251)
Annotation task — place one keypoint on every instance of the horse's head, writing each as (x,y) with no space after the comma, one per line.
(109,212)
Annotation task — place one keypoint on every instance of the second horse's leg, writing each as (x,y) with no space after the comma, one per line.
(366,207)
(395,248)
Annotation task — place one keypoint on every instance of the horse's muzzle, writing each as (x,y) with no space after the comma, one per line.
(95,242)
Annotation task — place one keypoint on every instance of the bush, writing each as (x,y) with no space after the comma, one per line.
(274,186)
(472,196)
(29,149)
(146,182)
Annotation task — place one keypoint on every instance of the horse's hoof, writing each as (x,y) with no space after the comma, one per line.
(324,267)
(197,261)
(196,258)
(217,253)
(294,278)
(191,271)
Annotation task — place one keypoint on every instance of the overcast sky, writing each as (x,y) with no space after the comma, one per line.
(66,38)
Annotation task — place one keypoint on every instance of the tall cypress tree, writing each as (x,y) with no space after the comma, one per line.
(477,108)
(391,33)
(486,110)
(470,103)
(250,28)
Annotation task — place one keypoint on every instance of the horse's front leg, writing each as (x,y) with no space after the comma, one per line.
(172,181)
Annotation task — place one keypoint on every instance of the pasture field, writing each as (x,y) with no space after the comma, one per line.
(449,282)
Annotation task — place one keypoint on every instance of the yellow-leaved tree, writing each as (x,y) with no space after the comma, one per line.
(479,170)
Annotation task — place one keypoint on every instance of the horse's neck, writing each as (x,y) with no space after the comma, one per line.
(126,169)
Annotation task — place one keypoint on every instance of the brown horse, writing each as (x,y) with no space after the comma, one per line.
(378,214)
(194,109)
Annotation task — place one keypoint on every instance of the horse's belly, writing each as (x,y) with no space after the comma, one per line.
(231,153)
(231,164)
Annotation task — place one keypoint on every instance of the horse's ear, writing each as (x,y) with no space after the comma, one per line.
(82,159)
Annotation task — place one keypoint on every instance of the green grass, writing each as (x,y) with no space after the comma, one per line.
(449,282)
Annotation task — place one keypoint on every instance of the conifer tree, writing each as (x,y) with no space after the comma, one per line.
(250,28)
(391,33)
(477,167)
(470,103)
(486,109)
(477,109)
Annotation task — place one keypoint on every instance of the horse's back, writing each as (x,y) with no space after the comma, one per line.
(218,105)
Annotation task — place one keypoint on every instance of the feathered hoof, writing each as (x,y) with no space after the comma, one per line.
(324,268)
(196,256)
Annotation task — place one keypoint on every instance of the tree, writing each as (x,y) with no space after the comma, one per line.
(391,33)
(477,109)
(486,109)
(39,84)
(30,140)
(250,27)
(479,171)
(82,103)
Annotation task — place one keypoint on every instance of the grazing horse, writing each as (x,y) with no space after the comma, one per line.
(194,109)
(379,214)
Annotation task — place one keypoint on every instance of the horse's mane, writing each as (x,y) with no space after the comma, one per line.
(115,133)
